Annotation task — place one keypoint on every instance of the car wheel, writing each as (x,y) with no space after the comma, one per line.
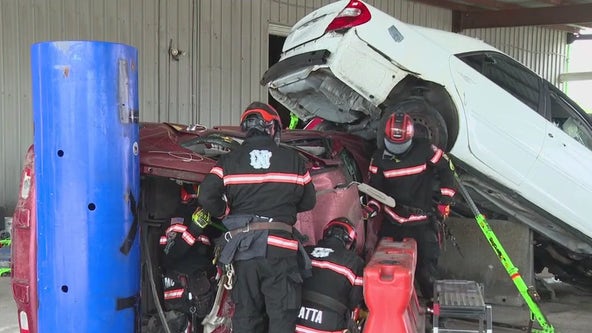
(428,122)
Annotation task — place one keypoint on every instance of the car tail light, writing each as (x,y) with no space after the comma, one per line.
(24,322)
(354,14)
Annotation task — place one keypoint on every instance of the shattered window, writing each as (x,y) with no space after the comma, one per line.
(565,115)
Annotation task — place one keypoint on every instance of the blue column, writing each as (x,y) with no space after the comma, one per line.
(85,108)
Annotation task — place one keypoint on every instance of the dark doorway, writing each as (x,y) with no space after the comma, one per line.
(275,51)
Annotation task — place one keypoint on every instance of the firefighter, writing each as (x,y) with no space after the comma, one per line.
(188,272)
(263,185)
(409,169)
(334,291)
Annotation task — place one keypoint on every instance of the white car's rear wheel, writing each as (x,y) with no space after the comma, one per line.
(428,122)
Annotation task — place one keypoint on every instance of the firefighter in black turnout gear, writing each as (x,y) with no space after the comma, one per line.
(263,185)
(409,169)
(334,291)
(188,271)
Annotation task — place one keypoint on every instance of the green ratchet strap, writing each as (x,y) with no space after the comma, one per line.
(293,121)
(5,271)
(526,292)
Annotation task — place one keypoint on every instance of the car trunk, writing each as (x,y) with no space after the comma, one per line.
(313,25)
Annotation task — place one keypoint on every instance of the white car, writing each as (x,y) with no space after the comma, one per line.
(524,148)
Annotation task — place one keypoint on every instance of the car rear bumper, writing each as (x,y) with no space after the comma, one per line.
(338,77)
(294,64)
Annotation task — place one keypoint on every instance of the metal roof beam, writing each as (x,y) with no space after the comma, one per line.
(523,17)
(446,4)
(577,76)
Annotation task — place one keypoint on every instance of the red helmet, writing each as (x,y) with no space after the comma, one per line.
(263,118)
(342,229)
(398,133)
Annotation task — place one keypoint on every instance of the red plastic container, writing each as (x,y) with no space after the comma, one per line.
(24,249)
(388,289)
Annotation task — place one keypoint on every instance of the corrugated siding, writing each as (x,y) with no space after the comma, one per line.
(542,49)
(148,25)
(175,78)
(232,41)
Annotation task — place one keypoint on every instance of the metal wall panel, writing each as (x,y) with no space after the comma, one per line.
(148,25)
(232,43)
(175,78)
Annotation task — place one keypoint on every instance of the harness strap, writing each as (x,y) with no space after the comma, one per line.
(415,210)
(324,300)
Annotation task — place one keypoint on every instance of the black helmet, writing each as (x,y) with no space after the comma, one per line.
(262,118)
(342,229)
(398,133)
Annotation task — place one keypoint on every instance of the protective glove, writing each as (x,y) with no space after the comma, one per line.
(200,217)
(444,210)
(369,211)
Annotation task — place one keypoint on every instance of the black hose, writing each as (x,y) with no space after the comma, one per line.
(153,284)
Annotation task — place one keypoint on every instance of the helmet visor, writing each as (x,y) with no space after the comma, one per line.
(396,148)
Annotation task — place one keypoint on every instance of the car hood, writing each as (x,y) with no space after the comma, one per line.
(161,153)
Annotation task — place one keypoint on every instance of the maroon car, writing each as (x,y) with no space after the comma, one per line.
(175,154)
(173,157)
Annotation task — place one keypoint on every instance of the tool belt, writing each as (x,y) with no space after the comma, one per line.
(253,244)
(259,226)
(415,210)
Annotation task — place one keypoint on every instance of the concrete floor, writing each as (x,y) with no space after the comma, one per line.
(8,316)
(568,313)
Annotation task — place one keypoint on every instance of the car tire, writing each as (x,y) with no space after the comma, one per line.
(428,122)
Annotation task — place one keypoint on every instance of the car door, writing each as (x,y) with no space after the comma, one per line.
(501,102)
(562,173)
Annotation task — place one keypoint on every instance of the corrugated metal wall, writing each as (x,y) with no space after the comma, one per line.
(224,45)
(232,41)
(149,25)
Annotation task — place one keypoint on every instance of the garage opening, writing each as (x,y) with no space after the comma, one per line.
(275,51)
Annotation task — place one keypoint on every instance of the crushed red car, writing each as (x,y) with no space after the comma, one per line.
(173,157)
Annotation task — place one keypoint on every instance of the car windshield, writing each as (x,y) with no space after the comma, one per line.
(216,144)
(212,145)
